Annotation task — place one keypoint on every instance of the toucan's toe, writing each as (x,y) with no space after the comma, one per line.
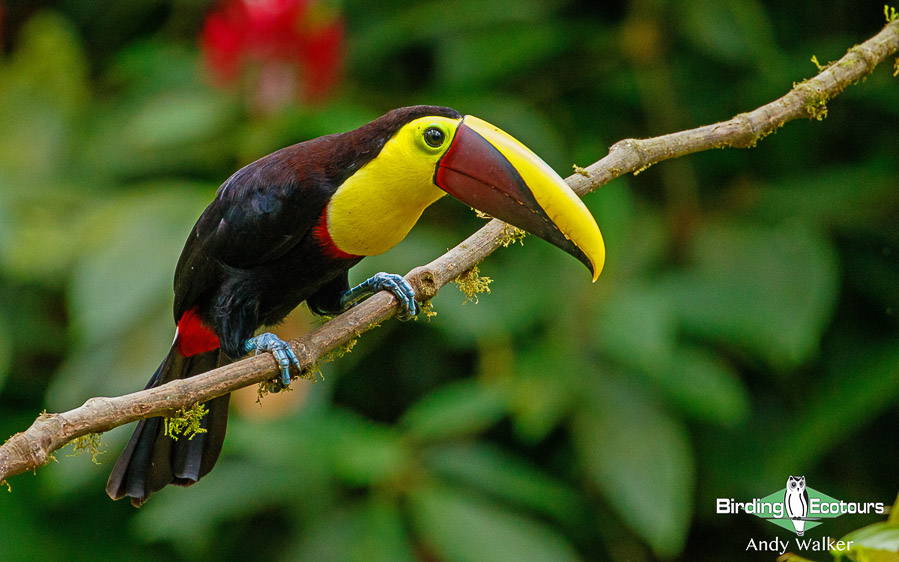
(401,289)
(392,282)
(280,349)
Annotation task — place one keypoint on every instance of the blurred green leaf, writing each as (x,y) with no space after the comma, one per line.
(174,119)
(370,531)
(44,237)
(379,38)
(640,459)
(506,477)
(767,291)
(49,63)
(43,91)
(730,30)
(521,295)
(614,209)
(182,130)
(373,531)
(365,453)
(23,533)
(841,196)
(850,394)
(457,410)
(459,525)
(491,55)
(637,327)
(189,519)
(147,68)
(546,386)
(5,350)
(703,386)
(131,248)
(878,542)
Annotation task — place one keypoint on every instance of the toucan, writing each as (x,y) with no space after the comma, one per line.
(287,228)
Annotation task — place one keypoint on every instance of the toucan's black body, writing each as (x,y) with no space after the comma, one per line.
(264,245)
(253,257)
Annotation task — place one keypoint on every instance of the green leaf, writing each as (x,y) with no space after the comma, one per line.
(23,534)
(704,387)
(616,214)
(188,519)
(132,245)
(461,526)
(545,386)
(851,394)
(176,119)
(49,63)
(5,351)
(878,542)
(730,30)
(188,128)
(539,401)
(129,358)
(464,408)
(466,60)
(373,531)
(640,459)
(365,453)
(836,196)
(521,294)
(43,92)
(378,38)
(637,327)
(504,476)
(43,228)
(769,291)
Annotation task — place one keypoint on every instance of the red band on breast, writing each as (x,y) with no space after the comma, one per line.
(329,248)
(194,336)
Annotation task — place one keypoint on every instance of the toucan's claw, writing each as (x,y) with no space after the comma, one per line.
(282,351)
(399,287)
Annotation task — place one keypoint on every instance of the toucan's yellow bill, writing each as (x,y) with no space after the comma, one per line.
(491,171)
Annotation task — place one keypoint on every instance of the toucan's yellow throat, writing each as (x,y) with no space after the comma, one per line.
(475,162)
(375,208)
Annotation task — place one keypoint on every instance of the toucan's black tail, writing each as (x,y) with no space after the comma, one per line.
(151,460)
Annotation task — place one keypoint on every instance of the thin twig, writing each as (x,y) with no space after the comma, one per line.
(32,448)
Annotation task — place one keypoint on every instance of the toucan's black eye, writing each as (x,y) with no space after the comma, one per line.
(434,137)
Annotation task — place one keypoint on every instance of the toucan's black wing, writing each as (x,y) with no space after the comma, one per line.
(258,215)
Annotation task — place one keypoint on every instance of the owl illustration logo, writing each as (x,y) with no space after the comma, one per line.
(796,503)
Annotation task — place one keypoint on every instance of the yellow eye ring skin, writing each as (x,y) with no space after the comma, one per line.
(436,136)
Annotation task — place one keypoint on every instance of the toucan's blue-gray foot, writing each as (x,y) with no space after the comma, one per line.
(282,351)
(399,287)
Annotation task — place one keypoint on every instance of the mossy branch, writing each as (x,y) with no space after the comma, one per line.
(33,448)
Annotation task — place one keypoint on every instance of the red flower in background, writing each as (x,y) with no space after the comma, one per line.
(287,49)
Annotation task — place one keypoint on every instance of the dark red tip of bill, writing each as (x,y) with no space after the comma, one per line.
(194,336)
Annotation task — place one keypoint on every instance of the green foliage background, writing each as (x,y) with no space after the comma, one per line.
(744,329)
